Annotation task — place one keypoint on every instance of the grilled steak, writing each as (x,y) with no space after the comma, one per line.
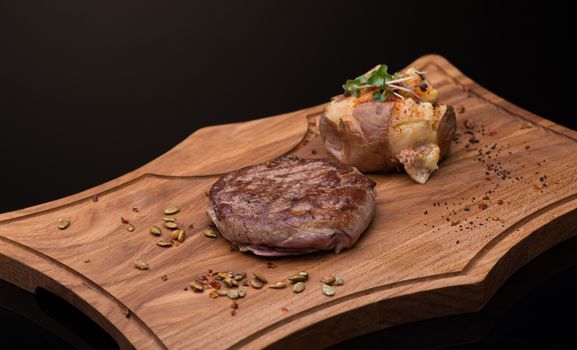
(292,206)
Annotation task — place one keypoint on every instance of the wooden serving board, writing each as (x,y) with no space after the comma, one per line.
(506,192)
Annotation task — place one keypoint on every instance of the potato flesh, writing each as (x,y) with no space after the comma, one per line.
(420,162)
(410,126)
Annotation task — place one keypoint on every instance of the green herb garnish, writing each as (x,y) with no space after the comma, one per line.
(379,81)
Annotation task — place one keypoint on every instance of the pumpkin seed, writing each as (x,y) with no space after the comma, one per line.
(304,273)
(222,292)
(297,278)
(339,281)
(169,219)
(298,287)
(239,276)
(171,225)
(328,290)
(260,277)
(181,236)
(164,244)
(278,285)
(197,286)
(130,227)
(173,209)
(63,223)
(230,282)
(141,265)
(177,235)
(232,294)
(241,293)
(256,284)
(328,279)
(221,275)
(155,230)
(210,232)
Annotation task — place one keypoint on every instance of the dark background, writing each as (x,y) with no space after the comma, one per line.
(92,90)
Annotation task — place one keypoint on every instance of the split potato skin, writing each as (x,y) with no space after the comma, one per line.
(381,136)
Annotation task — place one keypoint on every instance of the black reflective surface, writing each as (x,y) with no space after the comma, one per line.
(91,90)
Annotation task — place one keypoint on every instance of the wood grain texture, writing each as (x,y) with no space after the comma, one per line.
(436,249)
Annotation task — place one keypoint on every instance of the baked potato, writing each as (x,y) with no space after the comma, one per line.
(381,129)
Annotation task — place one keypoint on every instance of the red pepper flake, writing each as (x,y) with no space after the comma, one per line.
(123,220)
(284,309)
(232,312)
(500,202)
(95,198)
(489,167)
(210,273)
(270,265)
(215,285)
(492,133)
(527,147)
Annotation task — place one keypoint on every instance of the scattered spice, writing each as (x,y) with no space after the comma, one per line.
(164,278)
(124,221)
(86,261)
(483,206)
(95,198)
(135,210)
(270,265)
(284,309)
(461,109)
(500,202)
(130,227)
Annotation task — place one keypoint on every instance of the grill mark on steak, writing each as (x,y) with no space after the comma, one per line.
(292,206)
